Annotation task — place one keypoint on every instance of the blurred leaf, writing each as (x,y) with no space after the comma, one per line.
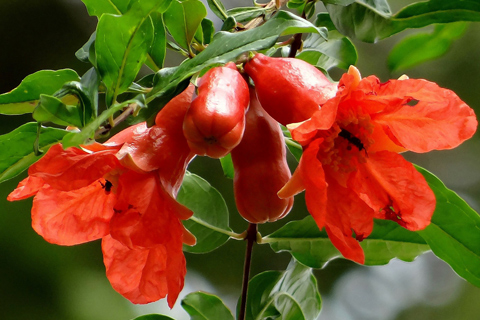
(17,147)
(422,47)
(245,13)
(454,233)
(312,247)
(153,317)
(51,109)
(229,24)
(224,47)
(371,20)
(227,166)
(122,44)
(205,306)
(340,2)
(182,20)
(292,294)
(218,9)
(24,98)
(73,139)
(210,214)
(99,7)
(158,50)
(336,51)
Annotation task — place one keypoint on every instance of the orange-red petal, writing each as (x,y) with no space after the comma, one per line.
(72,217)
(144,275)
(395,190)
(73,168)
(26,188)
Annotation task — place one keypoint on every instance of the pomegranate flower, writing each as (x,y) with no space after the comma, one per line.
(351,170)
(124,193)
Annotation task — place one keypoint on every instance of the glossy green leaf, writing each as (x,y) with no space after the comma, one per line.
(205,306)
(218,9)
(227,166)
(224,47)
(24,98)
(312,247)
(87,52)
(99,7)
(372,20)
(182,20)
(243,14)
(336,51)
(51,109)
(209,223)
(453,234)
(153,317)
(17,148)
(122,45)
(292,294)
(158,49)
(422,47)
(87,133)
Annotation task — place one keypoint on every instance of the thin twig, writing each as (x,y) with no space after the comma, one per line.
(122,117)
(297,41)
(251,239)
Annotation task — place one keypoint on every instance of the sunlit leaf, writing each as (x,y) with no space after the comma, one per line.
(17,148)
(158,49)
(24,98)
(182,20)
(99,7)
(422,47)
(453,234)
(205,306)
(292,294)
(122,44)
(210,214)
(312,247)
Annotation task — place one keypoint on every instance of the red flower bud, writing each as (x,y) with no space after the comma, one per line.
(215,121)
(261,169)
(289,89)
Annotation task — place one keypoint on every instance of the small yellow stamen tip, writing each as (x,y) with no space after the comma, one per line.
(353,71)
(403,77)
(292,126)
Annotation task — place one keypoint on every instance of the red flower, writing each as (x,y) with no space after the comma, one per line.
(123,192)
(351,169)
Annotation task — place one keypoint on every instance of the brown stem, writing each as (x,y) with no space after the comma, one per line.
(297,41)
(251,238)
(122,117)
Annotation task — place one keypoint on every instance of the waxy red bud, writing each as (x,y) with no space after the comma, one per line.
(289,89)
(261,168)
(215,121)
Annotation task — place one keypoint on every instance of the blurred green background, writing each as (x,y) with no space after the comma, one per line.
(43,281)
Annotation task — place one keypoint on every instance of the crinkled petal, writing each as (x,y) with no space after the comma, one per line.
(72,217)
(431,117)
(26,188)
(144,275)
(73,168)
(145,212)
(395,190)
(347,213)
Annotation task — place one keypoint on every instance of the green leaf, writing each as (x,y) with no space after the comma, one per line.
(51,109)
(158,49)
(339,2)
(243,14)
(218,9)
(293,146)
(99,7)
(292,294)
(122,45)
(153,317)
(182,20)
(227,166)
(85,136)
(208,30)
(224,47)
(17,148)
(205,306)
(453,233)
(209,223)
(87,52)
(24,98)
(422,47)
(336,51)
(372,20)
(312,247)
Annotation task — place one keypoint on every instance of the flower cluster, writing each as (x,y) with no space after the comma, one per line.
(123,191)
